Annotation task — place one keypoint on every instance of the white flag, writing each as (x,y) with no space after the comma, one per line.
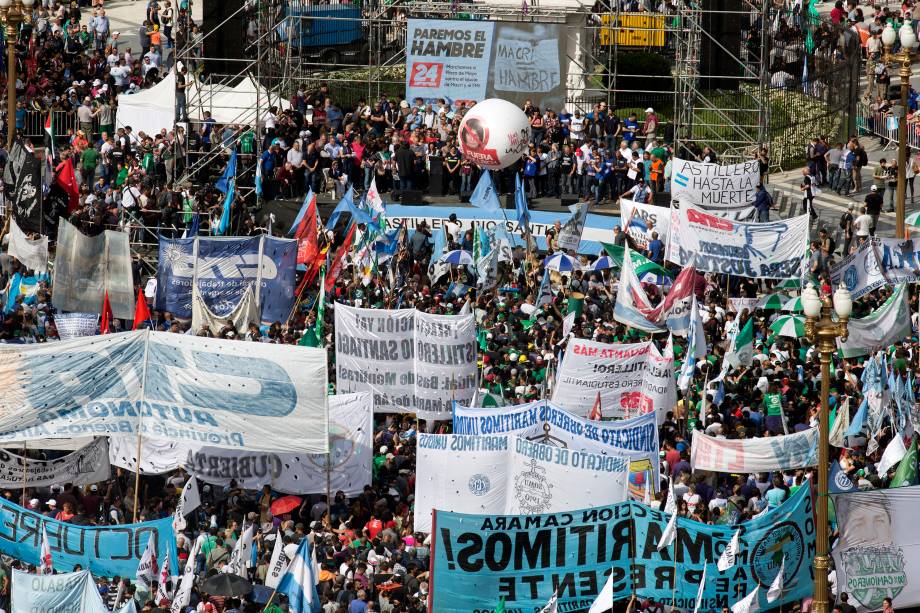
(184,593)
(647,498)
(748,604)
(552,606)
(699,592)
(148,570)
(894,452)
(241,556)
(841,425)
(727,559)
(193,556)
(776,588)
(188,502)
(604,600)
(373,198)
(669,533)
(163,584)
(277,566)
(671,505)
(46,567)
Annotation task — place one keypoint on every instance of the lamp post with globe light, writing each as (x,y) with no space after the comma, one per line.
(822,330)
(13,13)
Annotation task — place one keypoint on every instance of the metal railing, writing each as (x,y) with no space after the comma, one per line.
(884,126)
(65,122)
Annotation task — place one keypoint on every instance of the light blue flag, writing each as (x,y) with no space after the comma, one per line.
(299,582)
(484,196)
(859,420)
(340,209)
(224,224)
(696,348)
(347,205)
(303,211)
(440,243)
(545,294)
(223,184)
(258,180)
(520,204)
(21,285)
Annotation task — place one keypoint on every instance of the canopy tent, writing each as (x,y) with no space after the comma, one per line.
(150,110)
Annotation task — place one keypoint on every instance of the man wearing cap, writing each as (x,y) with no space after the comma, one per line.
(650,126)
(874,203)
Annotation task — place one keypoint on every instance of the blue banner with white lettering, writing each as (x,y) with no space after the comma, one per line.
(224,269)
(103,550)
(480,559)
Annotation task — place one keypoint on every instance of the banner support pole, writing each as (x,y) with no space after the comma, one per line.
(137,476)
(25,471)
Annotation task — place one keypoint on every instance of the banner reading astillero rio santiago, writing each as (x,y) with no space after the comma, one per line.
(479,559)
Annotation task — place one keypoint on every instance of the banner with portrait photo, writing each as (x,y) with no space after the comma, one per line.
(633,379)
(771,250)
(87,465)
(483,558)
(639,220)
(877,555)
(725,190)
(878,261)
(754,455)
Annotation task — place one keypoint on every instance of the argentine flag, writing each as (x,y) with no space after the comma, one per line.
(299,582)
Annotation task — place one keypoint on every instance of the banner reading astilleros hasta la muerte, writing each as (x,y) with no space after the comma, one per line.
(478,559)
(725,190)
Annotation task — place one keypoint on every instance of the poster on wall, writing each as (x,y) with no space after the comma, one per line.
(523,60)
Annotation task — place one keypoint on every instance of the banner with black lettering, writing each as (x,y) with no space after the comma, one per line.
(410,361)
(68,592)
(633,379)
(727,191)
(87,465)
(523,559)
(105,551)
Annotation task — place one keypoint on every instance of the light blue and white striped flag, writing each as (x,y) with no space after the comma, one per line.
(299,583)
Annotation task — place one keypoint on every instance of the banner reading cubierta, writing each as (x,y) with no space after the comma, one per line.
(474,60)
(104,550)
(877,555)
(633,379)
(753,455)
(771,250)
(89,464)
(481,558)
(727,191)
(254,396)
(410,361)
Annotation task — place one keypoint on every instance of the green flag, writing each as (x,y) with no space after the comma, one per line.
(500,607)
(741,352)
(906,474)
(641,264)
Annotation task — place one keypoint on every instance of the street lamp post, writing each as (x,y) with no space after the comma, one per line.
(12,14)
(903,58)
(822,330)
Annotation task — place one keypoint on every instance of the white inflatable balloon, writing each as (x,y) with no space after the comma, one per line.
(494,134)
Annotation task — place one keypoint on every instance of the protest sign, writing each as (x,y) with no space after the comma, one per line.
(223,268)
(877,262)
(754,455)
(474,60)
(254,396)
(103,550)
(771,250)
(350,442)
(510,474)
(739,304)
(726,191)
(86,267)
(524,558)
(885,326)
(638,220)
(571,231)
(76,325)
(68,592)
(635,438)
(410,361)
(877,555)
(84,466)
(633,379)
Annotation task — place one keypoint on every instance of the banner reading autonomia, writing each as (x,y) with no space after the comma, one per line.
(509,474)
(223,269)
(771,250)
(480,559)
(461,60)
(633,379)
(877,555)
(253,396)
(89,464)
(103,550)
(754,455)
(877,262)
(350,442)
(726,191)
(410,361)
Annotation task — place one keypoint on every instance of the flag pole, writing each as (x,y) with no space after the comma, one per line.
(137,475)
(25,470)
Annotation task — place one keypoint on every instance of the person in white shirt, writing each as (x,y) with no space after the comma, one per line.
(862,224)
(577,128)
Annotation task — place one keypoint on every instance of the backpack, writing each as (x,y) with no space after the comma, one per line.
(844,221)
(862,157)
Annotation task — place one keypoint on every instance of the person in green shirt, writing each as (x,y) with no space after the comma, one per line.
(121,176)
(88,162)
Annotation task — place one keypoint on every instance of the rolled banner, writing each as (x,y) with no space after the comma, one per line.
(576,303)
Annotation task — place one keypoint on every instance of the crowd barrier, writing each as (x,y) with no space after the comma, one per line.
(885,127)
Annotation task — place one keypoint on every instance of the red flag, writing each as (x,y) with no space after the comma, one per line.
(141,311)
(595,413)
(106,315)
(67,180)
(339,259)
(308,244)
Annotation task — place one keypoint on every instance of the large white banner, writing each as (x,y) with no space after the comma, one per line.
(877,555)
(350,440)
(885,326)
(878,262)
(633,379)
(754,455)
(727,191)
(253,396)
(505,474)
(639,220)
(410,361)
(64,593)
(84,466)
(772,250)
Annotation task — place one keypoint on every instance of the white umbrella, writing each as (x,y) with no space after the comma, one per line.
(561,262)
(458,257)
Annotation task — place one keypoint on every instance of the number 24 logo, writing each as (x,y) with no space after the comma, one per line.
(426,74)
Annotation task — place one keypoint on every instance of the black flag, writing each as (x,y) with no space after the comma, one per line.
(24,188)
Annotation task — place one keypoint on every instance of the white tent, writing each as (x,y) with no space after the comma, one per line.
(149,110)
